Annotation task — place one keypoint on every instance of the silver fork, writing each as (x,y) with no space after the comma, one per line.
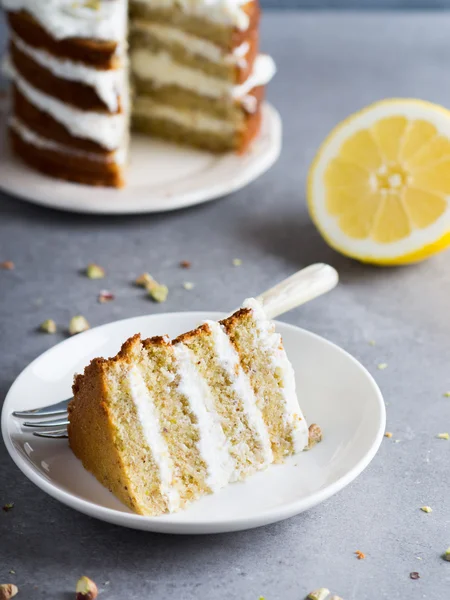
(303,286)
(54,428)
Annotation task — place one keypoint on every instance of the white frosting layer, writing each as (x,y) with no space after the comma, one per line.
(224,12)
(193,44)
(69,18)
(162,70)
(229,360)
(108,84)
(212,445)
(107,130)
(151,428)
(144,106)
(30,137)
(271,342)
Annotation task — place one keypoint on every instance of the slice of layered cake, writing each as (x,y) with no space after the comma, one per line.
(166,422)
(192,65)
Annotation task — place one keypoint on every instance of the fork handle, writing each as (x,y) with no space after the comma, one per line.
(303,286)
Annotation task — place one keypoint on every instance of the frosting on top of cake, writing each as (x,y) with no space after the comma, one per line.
(102,19)
(226,12)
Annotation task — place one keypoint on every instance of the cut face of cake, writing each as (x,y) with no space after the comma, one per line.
(188,71)
(165,422)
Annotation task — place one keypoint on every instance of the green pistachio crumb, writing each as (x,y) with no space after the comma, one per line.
(143,280)
(372,342)
(319,594)
(78,324)
(157,292)
(12,572)
(426,509)
(443,436)
(49,326)
(446,555)
(94,271)
(92,4)
(237,262)
(382,366)
(188,285)
(8,507)
(446,394)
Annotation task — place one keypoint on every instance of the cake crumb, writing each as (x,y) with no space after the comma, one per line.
(188,285)
(8,591)
(426,509)
(382,366)
(443,436)
(315,436)
(8,507)
(8,265)
(414,575)
(185,264)
(237,262)
(388,434)
(360,555)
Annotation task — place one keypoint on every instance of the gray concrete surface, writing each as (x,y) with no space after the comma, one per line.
(329,66)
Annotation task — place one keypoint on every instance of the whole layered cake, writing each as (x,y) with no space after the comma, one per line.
(185,70)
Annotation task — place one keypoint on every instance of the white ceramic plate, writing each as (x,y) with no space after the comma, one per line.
(334,389)
(161,176)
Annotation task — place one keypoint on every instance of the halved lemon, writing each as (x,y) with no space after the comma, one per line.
(379,187)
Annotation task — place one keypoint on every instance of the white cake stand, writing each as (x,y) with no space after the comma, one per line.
(161,176)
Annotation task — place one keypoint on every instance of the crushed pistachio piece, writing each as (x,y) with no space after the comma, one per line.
(372,342)
(319,594)
(188,285)
(237,262)
(94,271)
(414,575)
(315,436)
(360,555)
(446,394)
(8,265)
(143,280)
(49,326)
(185,264)
(157,291)
(105,296)
(8,591)
(426,509)
(446,555)
(382,366)
(388,434)
(92,4)
(443,436)
(78,324)
(12,572)
(86,589)
(397,441)
(8,507)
